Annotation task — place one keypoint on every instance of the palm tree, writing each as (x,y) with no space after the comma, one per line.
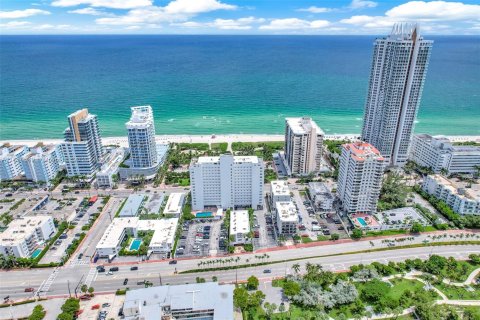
(296,268)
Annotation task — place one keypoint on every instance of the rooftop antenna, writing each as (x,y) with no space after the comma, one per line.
(193,297)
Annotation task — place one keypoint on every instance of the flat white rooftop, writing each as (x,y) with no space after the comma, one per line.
(280,188)
(174,203)
(236,159)
(164,230)
(303,125)
(287,212)
(130,209)
(142,116)
(114,232)
(239,222)
(21,228)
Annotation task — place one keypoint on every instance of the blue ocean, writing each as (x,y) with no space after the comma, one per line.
(219,84)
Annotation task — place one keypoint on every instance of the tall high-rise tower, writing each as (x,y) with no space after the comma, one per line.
(82,149)
(303,146)
(141,138)
(398,72)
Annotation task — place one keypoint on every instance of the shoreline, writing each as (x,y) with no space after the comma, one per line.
(229,138)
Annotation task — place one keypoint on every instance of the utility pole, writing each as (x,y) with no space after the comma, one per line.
(160,278)
(69,292)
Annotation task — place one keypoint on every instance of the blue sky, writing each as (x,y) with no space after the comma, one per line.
(234,16)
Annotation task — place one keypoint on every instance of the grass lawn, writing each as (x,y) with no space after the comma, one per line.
(402,285)
(459,293)
(184,182)
(385,233)
(306,240)
(219,146)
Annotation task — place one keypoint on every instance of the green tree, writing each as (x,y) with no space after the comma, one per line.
(38,313)
(270,309)
(240,298)
(84,288)
(252,283)
(291,288)
(296,268)
(416,228)
(335,236)
(357,233)
(374,290)
(91,290)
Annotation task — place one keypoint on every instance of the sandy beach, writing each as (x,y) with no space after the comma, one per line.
(123,141)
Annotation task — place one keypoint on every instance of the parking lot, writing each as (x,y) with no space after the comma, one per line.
(79,217)
(263,228)
(201,237)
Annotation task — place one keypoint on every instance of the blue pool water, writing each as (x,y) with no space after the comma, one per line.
(206,214)
(362,221)
(36,253)
(135,245)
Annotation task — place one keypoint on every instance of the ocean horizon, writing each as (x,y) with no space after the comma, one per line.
(219,84)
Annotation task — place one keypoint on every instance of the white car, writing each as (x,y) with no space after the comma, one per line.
(108,273)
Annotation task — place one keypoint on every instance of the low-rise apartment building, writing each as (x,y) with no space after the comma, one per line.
(438,153)
(279,191)
(462,200)
(286,217)
(24,235)
(321,196)
(239,225)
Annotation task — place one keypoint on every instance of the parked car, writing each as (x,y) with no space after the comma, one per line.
(114,269)
(95,307)
(109,273)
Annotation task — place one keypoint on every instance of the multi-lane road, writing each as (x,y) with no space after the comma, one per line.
(59,281)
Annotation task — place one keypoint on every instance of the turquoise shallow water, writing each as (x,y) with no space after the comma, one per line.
(219,84)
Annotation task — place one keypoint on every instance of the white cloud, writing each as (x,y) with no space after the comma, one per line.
(359,4)
(15,14)
(133,27)
(52,27)
(90,11)
(15,24)
(314,9)
(413,11)
(223,24)
(294,24)
(175,11)
(434,11)
(115,4)
(196,6)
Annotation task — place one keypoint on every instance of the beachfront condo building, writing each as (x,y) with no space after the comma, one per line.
(462,200)
(439,154)
(10,164)
(397,75)
(141,138)
(82,149)
(303,146)
(360,177)
(41,164)
(25,235)
(227,181)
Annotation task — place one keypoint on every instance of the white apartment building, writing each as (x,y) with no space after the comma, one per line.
(226,181)
(360,177)
(280,191)
(239,225)
(461,200)
(174,204)
(286,216)
(141,138)
(303,146)
(397,75)
(105,177)
(162,240)
(24,235)
(321,196)
(41,164)
(82,149)
(439,153)
(10,161)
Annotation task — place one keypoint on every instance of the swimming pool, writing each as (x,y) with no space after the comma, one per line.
(362,222)
(36,253)
(135,245)
(205,214)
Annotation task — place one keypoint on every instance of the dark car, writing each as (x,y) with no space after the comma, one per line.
(173,262)
(267,271)
(114,269)
(100,268)
(80,256)
(125,281)
(133,268)
(29,289)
